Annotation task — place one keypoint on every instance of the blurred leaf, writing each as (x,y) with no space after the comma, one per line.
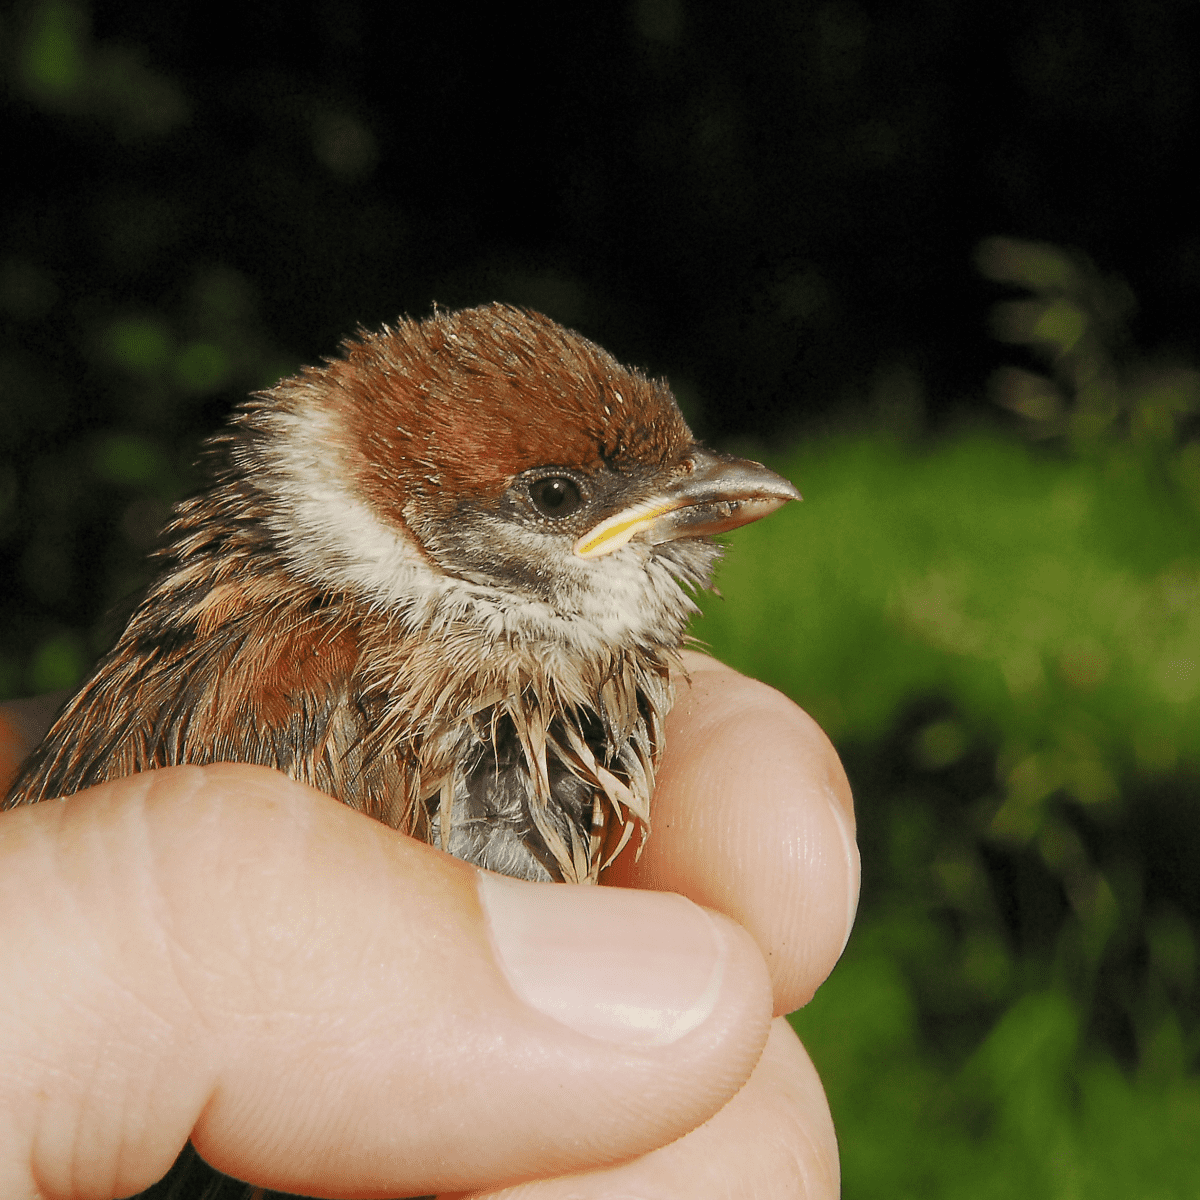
(1025,1061)
(1077,320)
(1039,266)
(202,367)
(52,62)
(940,744)
(142,345)
(64,70)
(1172,945)
(58,662)
(129,459)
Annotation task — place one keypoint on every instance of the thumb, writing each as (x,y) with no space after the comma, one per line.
(326,1006)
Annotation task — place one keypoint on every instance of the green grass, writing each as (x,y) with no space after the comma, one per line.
(1028,1114)
(1005,643)
(1055,603)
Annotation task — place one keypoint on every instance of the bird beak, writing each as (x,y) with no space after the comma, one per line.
(718,493)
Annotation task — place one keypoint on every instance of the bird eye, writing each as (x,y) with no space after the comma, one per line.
(555,496)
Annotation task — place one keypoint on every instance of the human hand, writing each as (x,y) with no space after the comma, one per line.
(328,1007)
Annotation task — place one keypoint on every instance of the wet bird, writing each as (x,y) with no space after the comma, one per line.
(444,578)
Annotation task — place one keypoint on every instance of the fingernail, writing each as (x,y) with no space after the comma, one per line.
(642,968)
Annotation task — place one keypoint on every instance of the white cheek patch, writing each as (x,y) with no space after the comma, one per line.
(330,533)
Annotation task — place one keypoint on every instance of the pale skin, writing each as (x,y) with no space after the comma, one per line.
(315,999)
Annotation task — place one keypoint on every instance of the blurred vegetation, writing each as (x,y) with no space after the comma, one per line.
(1003,640)
(992,608)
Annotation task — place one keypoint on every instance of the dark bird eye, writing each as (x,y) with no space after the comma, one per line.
(555,496)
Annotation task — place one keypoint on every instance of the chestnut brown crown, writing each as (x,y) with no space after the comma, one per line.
(463,402)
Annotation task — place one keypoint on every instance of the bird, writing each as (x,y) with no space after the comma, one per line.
(444,577)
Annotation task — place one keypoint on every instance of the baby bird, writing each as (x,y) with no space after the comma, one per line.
(443,578)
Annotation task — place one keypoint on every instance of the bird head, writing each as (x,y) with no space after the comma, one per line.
(491,465)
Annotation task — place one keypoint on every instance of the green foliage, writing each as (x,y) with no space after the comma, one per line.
(1004,642)
(129,459)
(62,69)
(1029,620)
(1022,1116)
(59,662)
(1053,603)
(1075,318)
(52,64)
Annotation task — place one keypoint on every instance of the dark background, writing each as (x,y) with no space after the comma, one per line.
(772,202)
(776,205)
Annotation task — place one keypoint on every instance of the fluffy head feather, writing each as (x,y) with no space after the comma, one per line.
(453,408)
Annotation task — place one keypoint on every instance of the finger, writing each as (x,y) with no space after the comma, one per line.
(775,1138)
(753,817)
(327,1006)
